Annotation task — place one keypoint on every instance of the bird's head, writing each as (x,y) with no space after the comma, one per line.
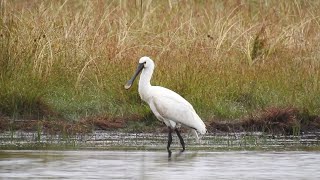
(144,63)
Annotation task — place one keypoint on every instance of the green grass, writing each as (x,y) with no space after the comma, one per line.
(71,59)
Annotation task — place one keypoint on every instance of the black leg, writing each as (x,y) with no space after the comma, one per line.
(181,140)
(169,142)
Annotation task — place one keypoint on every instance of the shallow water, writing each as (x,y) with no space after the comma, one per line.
(155,165)
(158,141)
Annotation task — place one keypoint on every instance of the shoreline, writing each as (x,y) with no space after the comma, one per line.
(285,121)
(114,140)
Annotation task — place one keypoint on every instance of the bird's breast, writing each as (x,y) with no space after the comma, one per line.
(144,95)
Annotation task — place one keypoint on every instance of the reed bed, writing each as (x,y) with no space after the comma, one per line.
(70,59)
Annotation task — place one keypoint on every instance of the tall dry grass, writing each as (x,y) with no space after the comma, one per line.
(228,58)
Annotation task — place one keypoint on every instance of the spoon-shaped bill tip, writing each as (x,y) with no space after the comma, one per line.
(130,82)
(128,85)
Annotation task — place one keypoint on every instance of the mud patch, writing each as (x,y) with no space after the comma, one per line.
(69,127)
(272,120)
(108,122)
(289,121)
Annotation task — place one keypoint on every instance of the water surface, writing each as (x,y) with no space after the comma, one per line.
(16,164)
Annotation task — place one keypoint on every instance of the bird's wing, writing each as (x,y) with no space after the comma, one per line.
(172,108)
(167,93)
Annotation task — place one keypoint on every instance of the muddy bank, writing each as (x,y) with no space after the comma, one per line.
(289,121)
(272,120)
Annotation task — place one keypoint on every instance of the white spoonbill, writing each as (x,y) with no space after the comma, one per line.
(168,106)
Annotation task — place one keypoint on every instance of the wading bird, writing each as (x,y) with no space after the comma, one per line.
(168,106)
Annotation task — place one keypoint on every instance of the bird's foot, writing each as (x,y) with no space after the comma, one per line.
(179,154)
(169,154)
(181,151)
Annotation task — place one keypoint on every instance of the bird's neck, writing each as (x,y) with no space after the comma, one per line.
(144,82)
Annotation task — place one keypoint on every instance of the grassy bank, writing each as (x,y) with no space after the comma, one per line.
(230,59)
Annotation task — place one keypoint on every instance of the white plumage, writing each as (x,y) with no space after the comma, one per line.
(168,106)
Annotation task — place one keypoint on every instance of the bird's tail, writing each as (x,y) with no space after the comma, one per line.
(195,134)
(199,125)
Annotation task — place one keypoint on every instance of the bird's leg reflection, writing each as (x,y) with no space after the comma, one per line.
(181,140)
(169,142)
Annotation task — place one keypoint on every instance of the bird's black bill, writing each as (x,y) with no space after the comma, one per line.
(130,82)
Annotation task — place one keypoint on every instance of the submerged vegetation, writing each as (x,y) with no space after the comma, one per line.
(69,60)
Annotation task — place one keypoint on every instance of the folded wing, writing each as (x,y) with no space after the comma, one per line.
(172,106)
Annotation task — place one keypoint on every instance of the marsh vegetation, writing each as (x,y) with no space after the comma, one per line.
(69,60)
